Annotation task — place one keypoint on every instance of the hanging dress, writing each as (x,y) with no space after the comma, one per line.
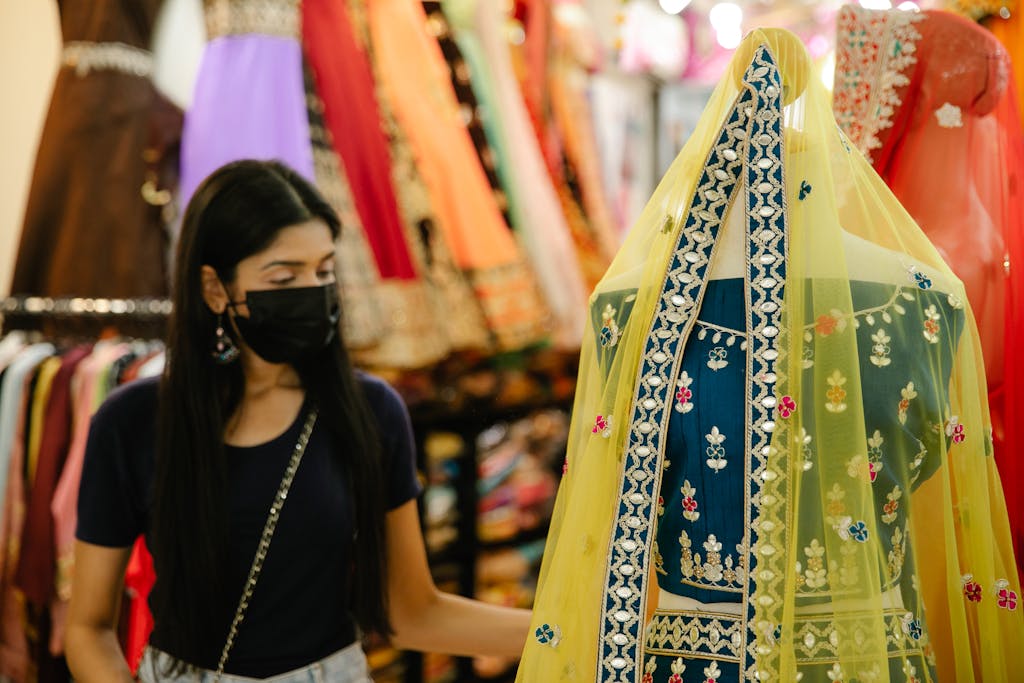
(95,223)
(353,115)
(249,100)
(356,269)
(779,466)
(537,217)
(412,75)
(925,97)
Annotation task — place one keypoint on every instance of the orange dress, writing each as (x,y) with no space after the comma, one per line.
(414,76)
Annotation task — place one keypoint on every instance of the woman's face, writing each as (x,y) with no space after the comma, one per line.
(301,255)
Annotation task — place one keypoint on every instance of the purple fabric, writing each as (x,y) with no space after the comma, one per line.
(249,103)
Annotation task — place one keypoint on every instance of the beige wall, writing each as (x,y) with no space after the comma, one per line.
(29,51)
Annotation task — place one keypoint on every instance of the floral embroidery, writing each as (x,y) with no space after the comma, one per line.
(661,505)
(717,358)
(955,430)
(610,332)
(787,406)
(807,355)
(677,671)
(920,280)
(689,502)
(847,529)
(659,561)
(805,189)
(912,626)
(876,56)
(898,554)
(712,569)
(910,671)
(712,673)
(715,451)
(836,394)
(949,116)
(815,576)
(1005,597)
(835,506)
(880,349)
(825,325)
(907,394)
(931,325)
(972,589)
(955,302)
(875,464)
(684,394)
(835,674)
(650,668)
(548,635)
(804,442)
(892,506)
(603,426)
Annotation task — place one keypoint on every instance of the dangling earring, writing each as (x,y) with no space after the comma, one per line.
(224,350)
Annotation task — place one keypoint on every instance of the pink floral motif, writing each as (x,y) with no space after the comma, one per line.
(689,504)
(955,430)
(787,406)
(873,469)
(683,395)
(675,678)
(603,426)
(972,591)
(1007,599)
(958,434)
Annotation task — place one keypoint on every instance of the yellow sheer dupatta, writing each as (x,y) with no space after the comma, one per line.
(937,600)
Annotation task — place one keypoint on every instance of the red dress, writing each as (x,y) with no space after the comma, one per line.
(927,97)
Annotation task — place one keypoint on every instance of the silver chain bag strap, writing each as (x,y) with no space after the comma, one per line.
(268,534)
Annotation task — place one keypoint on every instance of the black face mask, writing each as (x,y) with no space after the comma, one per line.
(287,325)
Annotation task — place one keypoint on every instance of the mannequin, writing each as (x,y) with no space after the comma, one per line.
(947,128)
(778,411)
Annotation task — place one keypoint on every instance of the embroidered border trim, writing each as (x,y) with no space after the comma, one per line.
(629,550)
(875,54)
(695,634)
(719,636)
(765,291)
(83,57)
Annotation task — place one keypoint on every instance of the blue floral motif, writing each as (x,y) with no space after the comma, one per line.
(922,280)
(859,531)
(914,629)
(805,189)
(608,337)
(547,634)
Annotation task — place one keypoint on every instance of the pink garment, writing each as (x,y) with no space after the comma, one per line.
(14,658)
(65,500)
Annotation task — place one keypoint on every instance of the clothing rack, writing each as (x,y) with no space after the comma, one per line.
(85,307)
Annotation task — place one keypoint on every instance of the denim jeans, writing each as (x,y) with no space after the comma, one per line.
(344,666)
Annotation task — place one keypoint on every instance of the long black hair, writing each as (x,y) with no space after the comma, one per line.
(235,213)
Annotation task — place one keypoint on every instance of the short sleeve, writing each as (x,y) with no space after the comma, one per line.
(111,510)
(398,447)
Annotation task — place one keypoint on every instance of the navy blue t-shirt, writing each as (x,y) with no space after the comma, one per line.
(299,612)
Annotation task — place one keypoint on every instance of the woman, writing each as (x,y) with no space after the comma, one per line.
(780,464)
(259,391)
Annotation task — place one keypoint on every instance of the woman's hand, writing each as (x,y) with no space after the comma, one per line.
(91,645)
(428,620)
